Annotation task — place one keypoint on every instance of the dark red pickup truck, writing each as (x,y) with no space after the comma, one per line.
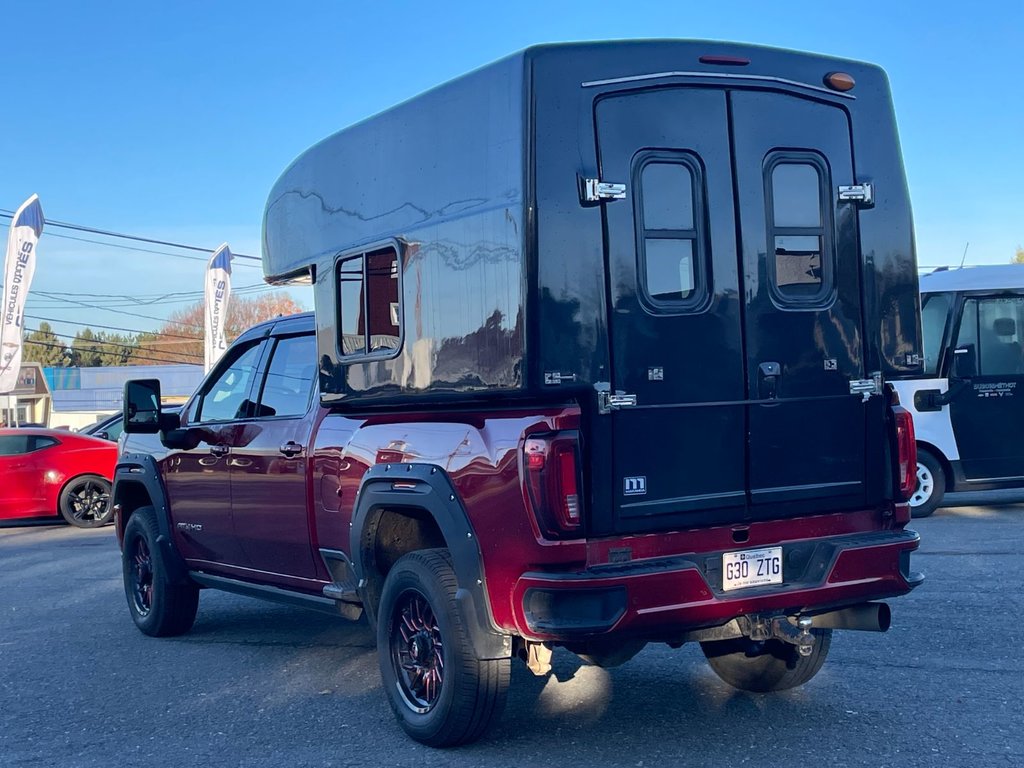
(599,359)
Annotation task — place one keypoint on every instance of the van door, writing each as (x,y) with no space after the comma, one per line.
(740,362)
(987,372)
(802,296)
(675,310)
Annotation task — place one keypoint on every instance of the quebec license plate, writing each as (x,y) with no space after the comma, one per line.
(752,568)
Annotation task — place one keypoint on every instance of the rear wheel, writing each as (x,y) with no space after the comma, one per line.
(85,502)
(931,485)
(766,666)
(441,693)
(158,607)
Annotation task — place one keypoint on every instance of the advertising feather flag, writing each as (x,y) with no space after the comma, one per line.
(19,267)
(218,292)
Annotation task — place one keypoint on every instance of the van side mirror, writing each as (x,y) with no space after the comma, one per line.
(142,406)
(965,363)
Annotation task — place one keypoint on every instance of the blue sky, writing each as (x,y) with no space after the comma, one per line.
(172,120)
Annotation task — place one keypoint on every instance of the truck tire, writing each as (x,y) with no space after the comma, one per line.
(931,484)
(766,666)
(441,693)
(158,608)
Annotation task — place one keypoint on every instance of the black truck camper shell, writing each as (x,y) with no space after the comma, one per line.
(573,212)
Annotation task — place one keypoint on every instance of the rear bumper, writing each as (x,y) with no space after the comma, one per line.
(663,597)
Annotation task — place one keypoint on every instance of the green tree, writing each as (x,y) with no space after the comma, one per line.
(42,346)
(1019,257)
(90,349)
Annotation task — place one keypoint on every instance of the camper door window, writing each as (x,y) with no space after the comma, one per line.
(799,228)
(670,238)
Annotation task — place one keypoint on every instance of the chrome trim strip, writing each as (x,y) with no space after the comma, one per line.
(996,480)
(225,566)
(718,75)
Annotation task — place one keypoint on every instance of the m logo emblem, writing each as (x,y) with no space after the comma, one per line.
(634,486)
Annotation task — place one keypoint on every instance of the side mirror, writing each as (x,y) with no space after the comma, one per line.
(965,363)
(142,406)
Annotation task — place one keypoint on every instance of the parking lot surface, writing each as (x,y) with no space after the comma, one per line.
(257,684)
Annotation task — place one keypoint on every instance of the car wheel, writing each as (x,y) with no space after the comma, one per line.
(771,665)
(931,485)
(85,502)
(441,693)
(158,607)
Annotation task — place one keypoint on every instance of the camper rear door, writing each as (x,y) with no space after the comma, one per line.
(734,286)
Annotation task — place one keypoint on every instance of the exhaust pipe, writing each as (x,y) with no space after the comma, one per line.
(866,617)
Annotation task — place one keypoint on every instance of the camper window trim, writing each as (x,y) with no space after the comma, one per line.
(364,254)
(697,301)
(825,230)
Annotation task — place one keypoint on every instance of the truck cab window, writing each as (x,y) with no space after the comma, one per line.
(934,311)
(226,398)
(369,308)
(289,381)
(669,230)
(799,228)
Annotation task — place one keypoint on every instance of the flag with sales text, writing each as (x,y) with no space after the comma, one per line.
(218,292)
(19,267)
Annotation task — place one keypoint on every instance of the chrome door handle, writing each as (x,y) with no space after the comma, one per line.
(291,449)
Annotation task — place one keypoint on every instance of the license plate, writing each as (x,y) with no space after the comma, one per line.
(752,568)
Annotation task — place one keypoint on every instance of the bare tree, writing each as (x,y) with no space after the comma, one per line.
(180,339)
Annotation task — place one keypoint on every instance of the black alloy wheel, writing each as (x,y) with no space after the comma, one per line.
(85,502)
(140,565)
(417,652)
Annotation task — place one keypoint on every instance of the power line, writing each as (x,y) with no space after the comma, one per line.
(127,300)
(136,248)
(116,328)
(9,214)
(145,359)
(125,312)
(104,342)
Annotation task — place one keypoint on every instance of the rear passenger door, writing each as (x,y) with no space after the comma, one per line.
(270,495)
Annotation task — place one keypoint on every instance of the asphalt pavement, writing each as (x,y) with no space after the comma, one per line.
(258,684)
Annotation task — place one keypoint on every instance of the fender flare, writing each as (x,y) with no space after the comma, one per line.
(141,469)
(428,488)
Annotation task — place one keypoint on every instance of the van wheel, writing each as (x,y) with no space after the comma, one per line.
(766,666)
(440,692)
(931,485)
(158,608)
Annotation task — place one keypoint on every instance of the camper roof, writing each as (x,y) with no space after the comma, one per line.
(987,278)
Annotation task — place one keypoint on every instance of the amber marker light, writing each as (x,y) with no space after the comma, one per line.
(840,81)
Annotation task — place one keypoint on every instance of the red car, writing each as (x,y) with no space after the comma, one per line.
(50,472)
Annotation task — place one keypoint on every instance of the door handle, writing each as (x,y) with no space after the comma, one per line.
(291,449)
(768,379)
(219,450)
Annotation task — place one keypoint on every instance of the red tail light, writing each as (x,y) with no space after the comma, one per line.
(551,467)
(906,465)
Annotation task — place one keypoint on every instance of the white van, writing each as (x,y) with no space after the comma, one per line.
(969,406)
